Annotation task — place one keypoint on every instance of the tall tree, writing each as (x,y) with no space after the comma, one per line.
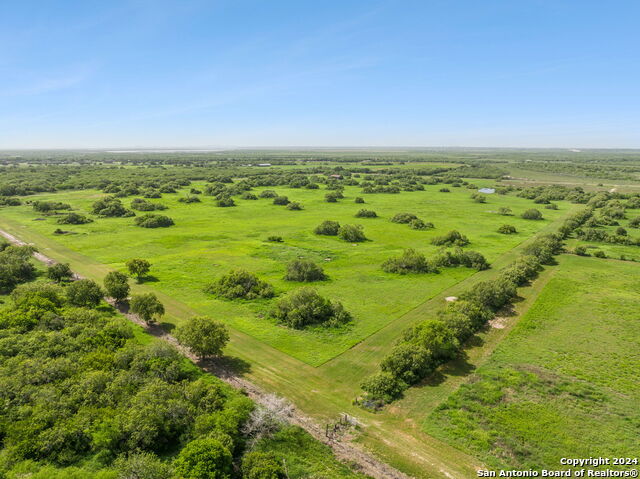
(138,267)
(203,336)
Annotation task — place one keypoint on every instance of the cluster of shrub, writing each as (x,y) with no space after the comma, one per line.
(452,238)
(110,207)
(350,233)
(151,220)
(49,206)
(619,236)
(301,308)
(412,261)
(140,204)
(412,220)
(610,212)
(9,201)
(422,348)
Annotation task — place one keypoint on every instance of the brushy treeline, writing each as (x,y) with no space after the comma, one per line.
(424,347)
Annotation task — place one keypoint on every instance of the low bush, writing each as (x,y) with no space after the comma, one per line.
(363,213)
(151,220)
(189,199)
(48,206)
(531,214)
(225,202)
(403,218)
(305,307)
(111,207)
(352,233)
(304,270)
(281,200)
(73,219)
(141,204)
(268,194)
(420,225)
(240,284)
(409,262)
(452,238)
(507,230)
(295,206)
(327,228)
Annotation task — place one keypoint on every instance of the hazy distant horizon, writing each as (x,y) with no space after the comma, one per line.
(140,74)
(192,149)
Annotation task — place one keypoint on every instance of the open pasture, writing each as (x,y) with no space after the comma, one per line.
(207,241)
(563,383)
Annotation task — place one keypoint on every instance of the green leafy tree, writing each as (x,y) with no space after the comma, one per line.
(84,292)
(59,272)
(410,262)
(204,459)
(240,283)
(403,218)
(152,220)
(364,213)
(116,285)
(261,465)
(147,306)
(138,267)
(305,307)
(352,233)
(408,362)
(507,230)
(304,270)
(203,336)
(532,214)
(452,238)
(142,465)
(327,228)
(383,386)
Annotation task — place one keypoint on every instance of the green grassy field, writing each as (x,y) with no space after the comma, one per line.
(564,382)
(207,241)
(325,391)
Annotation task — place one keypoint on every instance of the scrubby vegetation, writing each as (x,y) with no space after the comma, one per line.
(240,284)
(110,206)
(305,307)
(327,228)
(140,204)
(452,238)
(434,341)
(304,270)
(352,233)
(151,220)
(409,262)
(366,214)
(73,219)
(15,266)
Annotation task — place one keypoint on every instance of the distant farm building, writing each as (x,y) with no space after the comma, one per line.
(487,191)
(264,164)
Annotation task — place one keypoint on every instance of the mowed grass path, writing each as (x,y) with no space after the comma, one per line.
(207,241)
(564,382)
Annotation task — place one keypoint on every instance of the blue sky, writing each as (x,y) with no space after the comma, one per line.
(196,73)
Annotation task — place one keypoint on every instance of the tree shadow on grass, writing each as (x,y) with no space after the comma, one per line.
(148,279)
(226,366)
(167,327)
